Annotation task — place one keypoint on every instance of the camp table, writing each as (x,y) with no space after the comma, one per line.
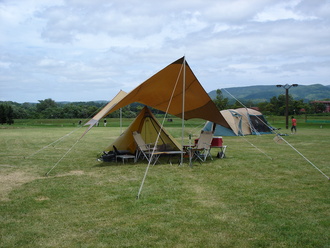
(127,157)
(157,154)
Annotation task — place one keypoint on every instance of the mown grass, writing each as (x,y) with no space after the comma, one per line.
(263,194)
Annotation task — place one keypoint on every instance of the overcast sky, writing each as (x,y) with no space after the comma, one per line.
(84,50)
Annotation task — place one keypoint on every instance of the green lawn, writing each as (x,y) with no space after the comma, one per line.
(263,194)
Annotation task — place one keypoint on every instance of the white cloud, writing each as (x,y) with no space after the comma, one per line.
(283,11)
(85,50)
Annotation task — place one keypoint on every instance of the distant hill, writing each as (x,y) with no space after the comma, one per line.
(266,92)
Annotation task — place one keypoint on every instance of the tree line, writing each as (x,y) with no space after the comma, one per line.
(49,109)
(275,106)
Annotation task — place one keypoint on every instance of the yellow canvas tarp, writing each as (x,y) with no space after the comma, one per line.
(106,109)
(149,127)
(166,90)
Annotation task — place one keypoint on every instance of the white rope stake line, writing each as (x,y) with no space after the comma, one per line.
(250,126)
(286,141)
(153,149)
(68,134)
(195,129)
(67,150)
(270,128)
(234,97)
(54,142)
(305,158)
(145,175)
(62,157)
(257,148)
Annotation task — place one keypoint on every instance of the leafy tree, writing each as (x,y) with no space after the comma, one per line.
(318,107)
(71,111)
(10,114)
(19,112)
(91,111)
(237,104)
(3,117)
(45,104)
(48,108)
(29,108)
(296,106)
(265,108)
(279,104)
(6,114)
(220,101)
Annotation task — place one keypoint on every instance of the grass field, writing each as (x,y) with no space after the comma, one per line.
(263,194)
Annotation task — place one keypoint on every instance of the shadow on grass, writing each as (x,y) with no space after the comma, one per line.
(101,164)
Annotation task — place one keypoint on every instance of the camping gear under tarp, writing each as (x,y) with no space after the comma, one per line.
(148,126)
(202,148)
(240,122)
(171,90)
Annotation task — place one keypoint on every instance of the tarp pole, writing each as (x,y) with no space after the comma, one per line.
(183,104)
(121,122)
(158,136)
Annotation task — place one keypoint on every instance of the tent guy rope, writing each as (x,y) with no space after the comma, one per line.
(62,157)
(54,142)
(284,140)
(250,125)
(257,148)
(64,136)
(304,157)
(161,127)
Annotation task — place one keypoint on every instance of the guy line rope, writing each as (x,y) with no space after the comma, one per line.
(278,135)
(54,142)
(153,150)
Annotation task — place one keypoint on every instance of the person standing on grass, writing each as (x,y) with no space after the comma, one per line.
(105,122)
(294,125)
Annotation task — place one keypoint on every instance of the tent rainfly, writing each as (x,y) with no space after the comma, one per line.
(149,127)
(241,121)
(171,90)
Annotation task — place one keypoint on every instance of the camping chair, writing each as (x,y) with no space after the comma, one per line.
(202,149)
(143,148)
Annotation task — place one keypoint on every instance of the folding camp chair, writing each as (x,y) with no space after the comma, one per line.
(202,149)
(143,148)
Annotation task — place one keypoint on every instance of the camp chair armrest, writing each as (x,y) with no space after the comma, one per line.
(150,146)
(207,145)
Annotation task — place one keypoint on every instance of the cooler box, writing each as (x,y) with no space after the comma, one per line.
(216,141)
